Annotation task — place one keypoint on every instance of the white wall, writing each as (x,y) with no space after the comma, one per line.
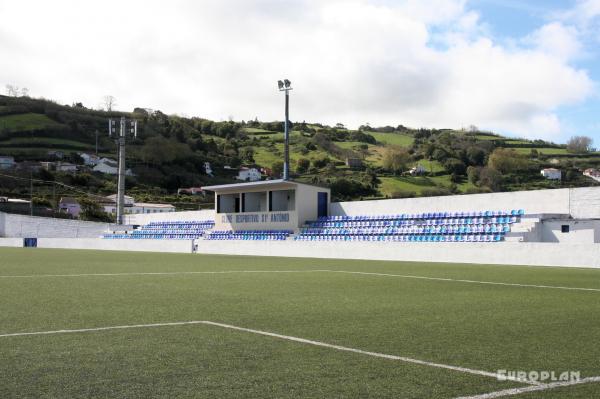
(505,253)
(580,231)
(539,201)
(11,242)
(585,203)
(184,246)
(12,225)
(206,214)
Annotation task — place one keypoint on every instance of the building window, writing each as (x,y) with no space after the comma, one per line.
(564,228)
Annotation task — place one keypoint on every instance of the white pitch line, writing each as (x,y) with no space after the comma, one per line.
(542,387)
(556,287)
(158,273)
(305,271)
(280,336)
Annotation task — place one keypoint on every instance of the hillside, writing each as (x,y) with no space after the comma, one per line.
(171,150)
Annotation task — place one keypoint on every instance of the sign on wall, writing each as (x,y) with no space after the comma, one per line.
(258,218)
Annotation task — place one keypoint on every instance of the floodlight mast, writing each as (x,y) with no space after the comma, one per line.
(286,86)
(120,140)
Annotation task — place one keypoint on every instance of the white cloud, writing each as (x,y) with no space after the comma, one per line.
(350,61)
(558,40)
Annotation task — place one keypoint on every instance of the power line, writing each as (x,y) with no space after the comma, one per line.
(54,182)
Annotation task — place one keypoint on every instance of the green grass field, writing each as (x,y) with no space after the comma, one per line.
(545,150)
(399,139)
(417,311)
(26,122)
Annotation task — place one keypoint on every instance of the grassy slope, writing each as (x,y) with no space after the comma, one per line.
(399,139)
(269,150)
(26,122)
(479,326)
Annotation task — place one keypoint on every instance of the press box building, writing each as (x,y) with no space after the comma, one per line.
(268,205)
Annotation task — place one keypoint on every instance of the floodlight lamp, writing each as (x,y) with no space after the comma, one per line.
(280,84)
(287,83)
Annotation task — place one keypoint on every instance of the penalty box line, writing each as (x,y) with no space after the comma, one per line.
(407,276)
(534,388)
(283,337)
(158,273)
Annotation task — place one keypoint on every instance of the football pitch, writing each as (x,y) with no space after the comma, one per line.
(137,325)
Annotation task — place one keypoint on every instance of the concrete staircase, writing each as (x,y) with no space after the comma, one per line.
(529,228)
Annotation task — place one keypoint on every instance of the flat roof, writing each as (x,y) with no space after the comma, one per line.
(256,184)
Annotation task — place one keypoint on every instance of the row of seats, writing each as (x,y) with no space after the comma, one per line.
(468,229)
(426,215)
(180,230)
(407,238)
(199,224)
(151,236)
(469,226)
(277,235)
(418,222)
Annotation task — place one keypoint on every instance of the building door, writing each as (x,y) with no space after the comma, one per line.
(237,204)
(321,204)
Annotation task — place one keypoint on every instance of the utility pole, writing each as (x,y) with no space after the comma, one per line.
(286,86)
(30,192)
(96,142)
(125,126)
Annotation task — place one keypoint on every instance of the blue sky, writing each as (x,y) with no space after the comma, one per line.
(513,19)
(523,68)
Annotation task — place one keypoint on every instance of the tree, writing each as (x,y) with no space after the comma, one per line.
(506,160)
(277,169)
(491,178)
(109,102)
(579,144)
(12,91)
(90,210)
(247,154)
(455,166)
(396,159)
(476,156)
(302,165)
(473,174)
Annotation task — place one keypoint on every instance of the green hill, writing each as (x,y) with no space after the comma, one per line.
(170,153)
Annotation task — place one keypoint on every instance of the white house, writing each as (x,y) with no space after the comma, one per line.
(65,167)
(551,173)
(208,169)
(70,206)
(6,162)
(248,174)
(132,207)
(110,167)
(417,170)
(593,173)
(89,159)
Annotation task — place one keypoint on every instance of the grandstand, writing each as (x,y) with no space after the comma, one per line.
(166,230)
(483,226)
(285,218)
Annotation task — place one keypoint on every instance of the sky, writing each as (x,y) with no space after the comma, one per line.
(522,68)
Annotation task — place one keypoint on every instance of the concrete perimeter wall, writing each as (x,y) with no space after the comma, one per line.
(206,214)
(578,202)
(11,242)
(12,225)
(504,253)
(585,203)
(184,246)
